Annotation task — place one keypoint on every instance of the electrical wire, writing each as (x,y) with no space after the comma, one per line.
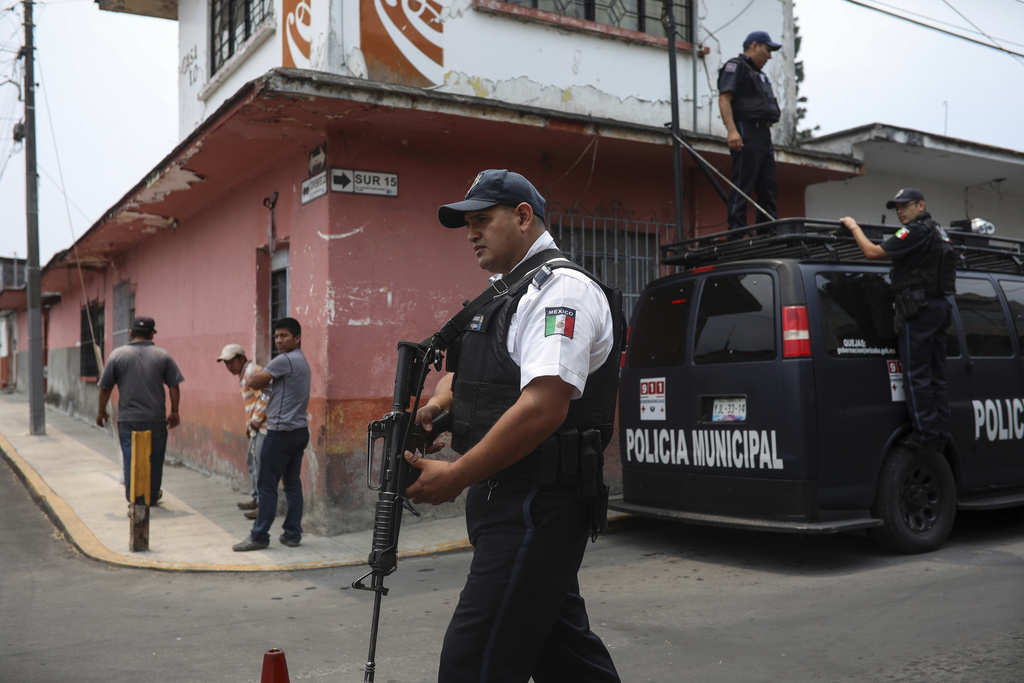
(936,28)
(978,28)
(67,210)
(933,21)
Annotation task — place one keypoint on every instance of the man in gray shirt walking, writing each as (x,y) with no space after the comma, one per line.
(140,370)
(287,437)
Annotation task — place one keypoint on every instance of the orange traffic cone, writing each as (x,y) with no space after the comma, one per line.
(275,668)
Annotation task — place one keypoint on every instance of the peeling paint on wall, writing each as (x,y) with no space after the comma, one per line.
(588,100)
(151,221)
(175,179)
(329,305)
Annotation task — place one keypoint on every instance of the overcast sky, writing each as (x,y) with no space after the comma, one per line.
(112,82)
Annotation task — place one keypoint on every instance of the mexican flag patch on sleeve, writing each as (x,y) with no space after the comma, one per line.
(559,321)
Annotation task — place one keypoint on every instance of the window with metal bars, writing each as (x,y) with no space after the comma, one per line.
(91,333)
(278,295)
(643,16)
(232,22)
(620,253)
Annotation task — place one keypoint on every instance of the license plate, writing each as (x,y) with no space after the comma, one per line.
(729,409)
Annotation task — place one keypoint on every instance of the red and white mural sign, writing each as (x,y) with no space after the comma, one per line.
(402,41)
(297,34)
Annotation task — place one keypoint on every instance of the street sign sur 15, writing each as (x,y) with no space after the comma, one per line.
(364,182)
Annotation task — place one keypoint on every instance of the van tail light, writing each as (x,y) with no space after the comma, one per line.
(796,335)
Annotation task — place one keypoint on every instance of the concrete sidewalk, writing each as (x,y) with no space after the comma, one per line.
(73,471)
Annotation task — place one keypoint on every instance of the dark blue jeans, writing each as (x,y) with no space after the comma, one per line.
(156,457)
(280,459)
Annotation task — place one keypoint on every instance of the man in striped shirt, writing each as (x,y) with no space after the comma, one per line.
(233,357)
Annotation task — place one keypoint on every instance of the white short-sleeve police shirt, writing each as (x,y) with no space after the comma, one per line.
(563,328)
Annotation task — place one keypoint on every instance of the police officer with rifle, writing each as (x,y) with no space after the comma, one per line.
(533,373)
(923,277)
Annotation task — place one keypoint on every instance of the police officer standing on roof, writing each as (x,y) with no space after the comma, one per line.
(923,278)
(749,108)
(532,396)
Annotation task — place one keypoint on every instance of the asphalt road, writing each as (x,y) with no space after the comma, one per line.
(673,603)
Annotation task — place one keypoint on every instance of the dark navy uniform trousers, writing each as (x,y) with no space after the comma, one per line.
(922,342)
(520,613)
(753,171)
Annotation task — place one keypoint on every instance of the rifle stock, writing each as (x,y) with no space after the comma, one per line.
(394,474)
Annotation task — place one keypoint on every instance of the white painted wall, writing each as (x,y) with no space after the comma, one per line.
(864,198)
(508,59)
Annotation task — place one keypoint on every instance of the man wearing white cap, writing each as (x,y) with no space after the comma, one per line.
(233,357)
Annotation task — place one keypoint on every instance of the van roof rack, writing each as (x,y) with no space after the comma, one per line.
(810,239)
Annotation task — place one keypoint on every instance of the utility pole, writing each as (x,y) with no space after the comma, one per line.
(668,20)
(36,398)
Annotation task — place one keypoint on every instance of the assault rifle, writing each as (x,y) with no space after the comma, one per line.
(398,432)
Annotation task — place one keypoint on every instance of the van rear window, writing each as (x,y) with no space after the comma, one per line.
(1014,293)
(981,315)
(660,331)
(856,315)
(736,319)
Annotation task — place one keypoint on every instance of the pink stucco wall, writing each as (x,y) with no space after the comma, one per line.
(364,272)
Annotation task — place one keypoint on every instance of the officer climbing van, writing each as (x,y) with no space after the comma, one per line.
(762,388)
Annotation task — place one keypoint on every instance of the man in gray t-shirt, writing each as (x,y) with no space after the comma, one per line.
(140,370)
(287,437)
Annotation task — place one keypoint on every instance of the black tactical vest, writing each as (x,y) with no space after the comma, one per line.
(486,380)
(754,99)
(934,271)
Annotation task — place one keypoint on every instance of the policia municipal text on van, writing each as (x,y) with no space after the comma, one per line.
(923,278)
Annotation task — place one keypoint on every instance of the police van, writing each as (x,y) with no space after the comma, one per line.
(762,388)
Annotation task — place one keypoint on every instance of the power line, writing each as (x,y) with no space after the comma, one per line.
(936,28)
(977,28)
(933,21)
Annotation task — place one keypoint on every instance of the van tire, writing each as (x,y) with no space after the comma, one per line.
(917,501)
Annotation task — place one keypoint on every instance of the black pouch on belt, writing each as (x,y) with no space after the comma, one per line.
(910,302)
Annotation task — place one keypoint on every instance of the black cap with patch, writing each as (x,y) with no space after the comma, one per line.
(491,188)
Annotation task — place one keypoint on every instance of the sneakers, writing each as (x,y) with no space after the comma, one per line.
(251,514)
(249,544)
(290,542)
(247,505)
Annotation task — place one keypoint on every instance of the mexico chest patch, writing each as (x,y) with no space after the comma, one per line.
(560,320)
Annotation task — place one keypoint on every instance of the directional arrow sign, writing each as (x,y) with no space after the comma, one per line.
(364,182)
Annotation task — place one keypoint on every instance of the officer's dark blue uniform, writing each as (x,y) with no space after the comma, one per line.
(921,288)
(753,110)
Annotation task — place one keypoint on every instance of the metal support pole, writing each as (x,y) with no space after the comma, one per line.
(693,51)
(37,398)
(668,19)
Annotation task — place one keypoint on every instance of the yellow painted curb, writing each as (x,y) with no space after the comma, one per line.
(82,538)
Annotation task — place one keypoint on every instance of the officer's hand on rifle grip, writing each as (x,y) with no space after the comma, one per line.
(431,423)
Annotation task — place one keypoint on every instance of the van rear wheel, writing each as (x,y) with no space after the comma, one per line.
(916,499)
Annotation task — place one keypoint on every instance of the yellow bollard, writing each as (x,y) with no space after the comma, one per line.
(138,512)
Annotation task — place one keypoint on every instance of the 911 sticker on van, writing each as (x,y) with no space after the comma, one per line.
(747,449)
(1000,419)
(652,398)
(896,380)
